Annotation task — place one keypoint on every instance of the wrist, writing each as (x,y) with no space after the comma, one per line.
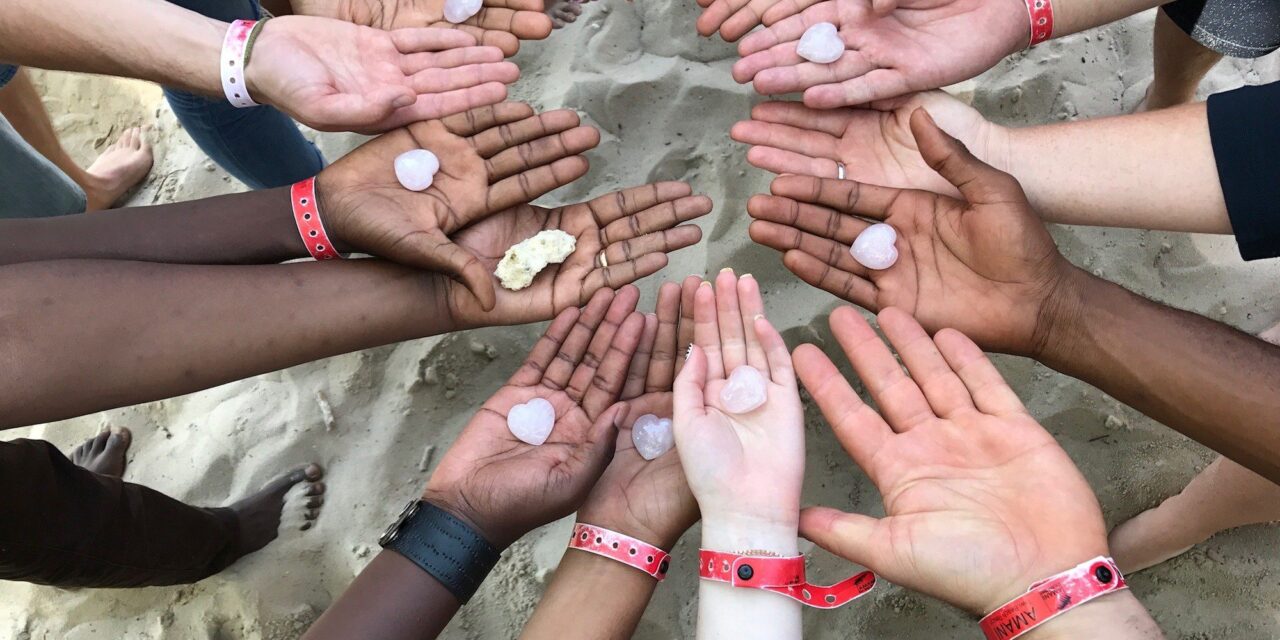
(331,213)
(496,534)
(664,538)
(1115,615)
(1060,323)
(742,534)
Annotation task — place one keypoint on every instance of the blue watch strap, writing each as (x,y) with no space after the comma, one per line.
(443,546)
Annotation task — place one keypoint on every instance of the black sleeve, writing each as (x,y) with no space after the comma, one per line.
(1244,126)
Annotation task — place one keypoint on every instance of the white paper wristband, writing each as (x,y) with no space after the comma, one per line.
(233,47)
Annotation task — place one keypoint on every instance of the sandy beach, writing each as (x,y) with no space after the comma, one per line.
(663,100)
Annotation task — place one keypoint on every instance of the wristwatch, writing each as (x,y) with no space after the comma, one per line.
(443,546)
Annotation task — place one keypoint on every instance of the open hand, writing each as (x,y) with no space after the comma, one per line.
(986,267)
(875,143)
(505,487)
(918,45)
(650,499)
(491,159)
(634,228)
(500,23)
(746,470)
(336,76)
(980,501)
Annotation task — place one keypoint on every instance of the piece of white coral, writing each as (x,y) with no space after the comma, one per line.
(526,259)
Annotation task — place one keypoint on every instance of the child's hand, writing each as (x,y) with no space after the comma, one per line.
(504,487)
(650,499)
(980,500)
(745,470)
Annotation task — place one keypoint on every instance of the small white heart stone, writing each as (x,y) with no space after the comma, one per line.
(458,11)
(874,248)
(416,169)
(746,390)
(821,43)
(652,436)
(532,421)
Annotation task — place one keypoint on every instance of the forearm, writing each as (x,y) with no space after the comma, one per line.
(618,595)
(1074,16)
(735,613)
(247,228)
(83,336)
(1146,171)
(1205,379)
(145,39)
(1116,616)
(392,599)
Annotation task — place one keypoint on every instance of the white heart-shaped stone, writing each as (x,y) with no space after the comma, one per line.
(459,11)
(652,436)
(874,247)
(745,391)
(532,421)
(416,169)
(820,43)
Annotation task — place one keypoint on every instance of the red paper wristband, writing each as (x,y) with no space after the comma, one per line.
(1049,598)
(1041,20)
(784,576)
(620,547)
(306,212)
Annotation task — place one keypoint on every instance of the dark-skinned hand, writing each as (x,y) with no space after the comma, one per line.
(635,228)
(650,499)
(491,159)
(505,487)
(985,265)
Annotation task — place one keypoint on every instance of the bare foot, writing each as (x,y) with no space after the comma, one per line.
(122,166)
(563,12)
(259,513)
(104,453)
(1223,496)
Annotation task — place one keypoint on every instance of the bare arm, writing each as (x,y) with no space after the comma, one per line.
(86,335)
(246,228)
(1211,382)
(146,39)
(1145,171)
(618,595)
(391,598)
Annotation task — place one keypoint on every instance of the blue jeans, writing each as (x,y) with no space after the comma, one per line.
(260,146)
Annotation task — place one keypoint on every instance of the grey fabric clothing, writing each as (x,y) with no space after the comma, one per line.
(1234,28)
(30,185)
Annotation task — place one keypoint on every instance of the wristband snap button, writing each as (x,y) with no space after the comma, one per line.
(745,572)
(1103,575)
(662,568)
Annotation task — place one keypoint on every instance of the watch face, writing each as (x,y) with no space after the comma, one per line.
(393,531)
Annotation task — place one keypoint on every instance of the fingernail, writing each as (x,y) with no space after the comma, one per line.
(759,316)
(729,269)
(705,284)
(747,275)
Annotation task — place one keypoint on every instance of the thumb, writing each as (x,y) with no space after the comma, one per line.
(597,450)
(883,7)
(434,251)
(977,181)
(689,402)
(848,535)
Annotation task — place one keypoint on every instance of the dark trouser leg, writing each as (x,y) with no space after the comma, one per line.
(65,526)
(260,146)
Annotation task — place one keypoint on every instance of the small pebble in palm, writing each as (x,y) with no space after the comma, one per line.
(416,169)
(821,43)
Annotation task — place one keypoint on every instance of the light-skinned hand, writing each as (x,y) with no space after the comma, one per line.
(874,143)
(908,46)
(980,501)
(500,23)
(505,487)
(332,75)
(650,499)
(491,159)
(985,265)
(635,228)
(745,470)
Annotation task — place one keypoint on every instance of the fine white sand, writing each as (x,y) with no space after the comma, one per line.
(664,101)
